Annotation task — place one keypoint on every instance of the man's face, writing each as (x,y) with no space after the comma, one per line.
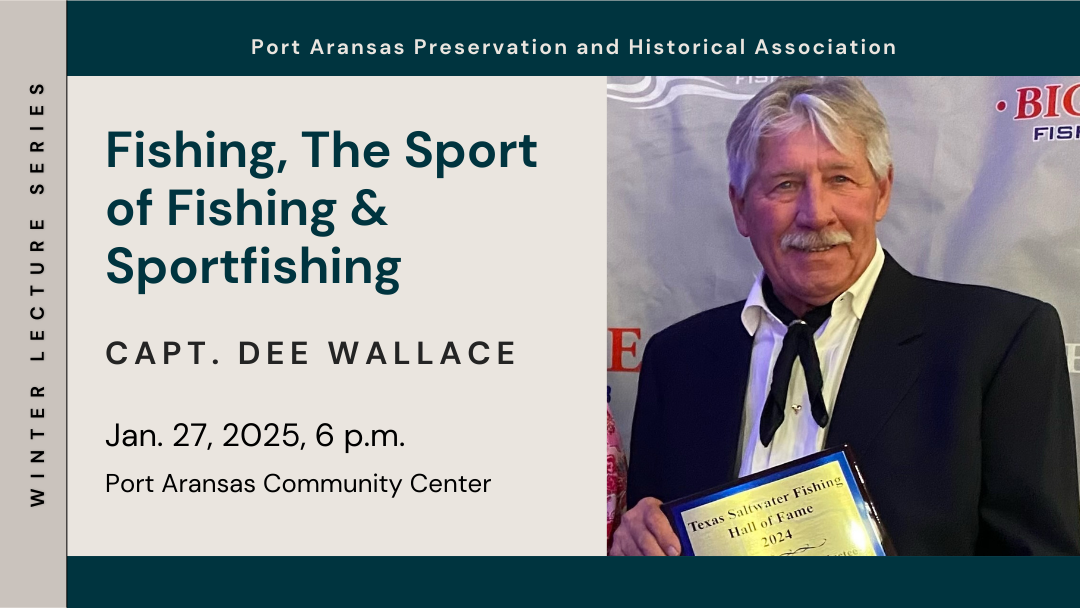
(803,198)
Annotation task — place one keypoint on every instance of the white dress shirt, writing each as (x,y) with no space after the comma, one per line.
(799,435)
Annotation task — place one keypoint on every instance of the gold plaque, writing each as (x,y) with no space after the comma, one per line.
(816,505)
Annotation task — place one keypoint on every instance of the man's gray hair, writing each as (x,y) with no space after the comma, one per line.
(837,107)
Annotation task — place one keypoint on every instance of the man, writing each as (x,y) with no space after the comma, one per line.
(954,398)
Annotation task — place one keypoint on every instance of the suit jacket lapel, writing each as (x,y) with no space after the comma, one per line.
(884,361)
(717,427)
(737,360)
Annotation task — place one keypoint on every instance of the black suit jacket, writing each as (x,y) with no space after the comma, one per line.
(955,400)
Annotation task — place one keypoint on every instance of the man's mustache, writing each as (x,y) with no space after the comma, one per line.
(818,239)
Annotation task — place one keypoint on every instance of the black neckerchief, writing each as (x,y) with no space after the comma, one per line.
(798,342)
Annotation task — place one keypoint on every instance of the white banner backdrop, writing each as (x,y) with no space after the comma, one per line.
(987,191)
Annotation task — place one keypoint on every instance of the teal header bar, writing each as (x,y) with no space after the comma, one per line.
(620,38)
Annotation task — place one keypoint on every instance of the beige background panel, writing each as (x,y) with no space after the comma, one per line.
(494,254)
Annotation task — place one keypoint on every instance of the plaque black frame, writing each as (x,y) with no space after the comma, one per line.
(674,508)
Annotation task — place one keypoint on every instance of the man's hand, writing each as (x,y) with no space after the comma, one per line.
(645,531)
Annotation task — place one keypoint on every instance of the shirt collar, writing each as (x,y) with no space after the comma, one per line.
(856,297)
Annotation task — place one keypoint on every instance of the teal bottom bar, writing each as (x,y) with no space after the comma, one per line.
(117,582)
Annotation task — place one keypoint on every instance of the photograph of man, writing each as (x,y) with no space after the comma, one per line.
(955,398)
